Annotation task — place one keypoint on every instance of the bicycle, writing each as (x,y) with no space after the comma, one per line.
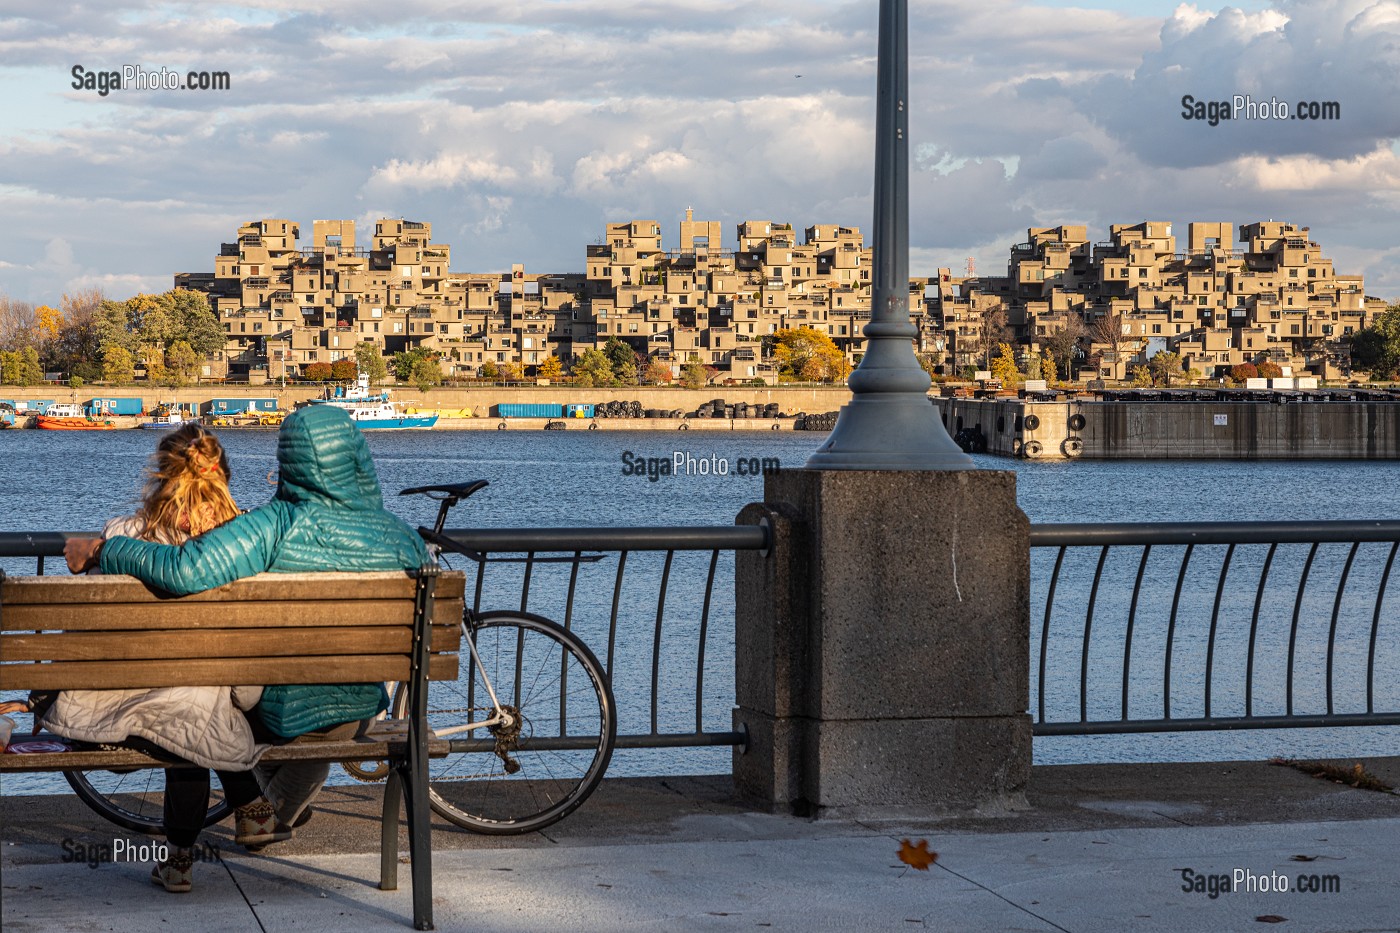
(525,764)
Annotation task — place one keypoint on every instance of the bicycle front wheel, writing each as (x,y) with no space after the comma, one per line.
(508,781)
(133,800)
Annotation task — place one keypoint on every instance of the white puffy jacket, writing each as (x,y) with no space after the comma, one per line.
(203,725)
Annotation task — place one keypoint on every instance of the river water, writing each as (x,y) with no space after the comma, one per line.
(75,480)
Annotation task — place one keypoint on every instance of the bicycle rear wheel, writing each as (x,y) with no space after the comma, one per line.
(557,690)
(133,800)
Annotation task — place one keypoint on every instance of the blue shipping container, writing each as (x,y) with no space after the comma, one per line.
(578,411)
(529,410)
(34,406)
(228,406)
(114,406)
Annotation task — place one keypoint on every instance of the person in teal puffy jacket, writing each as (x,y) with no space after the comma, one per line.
(328,514)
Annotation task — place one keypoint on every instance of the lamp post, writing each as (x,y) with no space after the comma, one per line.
(889,423)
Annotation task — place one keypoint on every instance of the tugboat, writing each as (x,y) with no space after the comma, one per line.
(375,412)
(165,418)
(69,417)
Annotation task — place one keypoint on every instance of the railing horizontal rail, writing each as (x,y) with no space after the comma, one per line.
(1126,533)
(1195,626)
(701,538)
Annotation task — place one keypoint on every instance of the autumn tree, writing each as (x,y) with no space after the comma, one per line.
(316,372)
(511,372)
(488,370)
(1033,370)
(16,323)
(181,365)
(118,368)
(1004,368)
(344,370)
(1047,368)
(21,367)
(805,354)
(1244,372)
(657,373)
(1270,370)
(552,368)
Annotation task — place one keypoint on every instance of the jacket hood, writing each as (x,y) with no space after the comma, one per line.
(323,457)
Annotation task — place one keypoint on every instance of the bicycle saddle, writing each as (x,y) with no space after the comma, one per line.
(455,490)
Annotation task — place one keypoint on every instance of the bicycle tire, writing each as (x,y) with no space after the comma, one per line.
(472,788)
(130,801)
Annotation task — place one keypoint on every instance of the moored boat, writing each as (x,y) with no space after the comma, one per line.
(375,412)
(69,417)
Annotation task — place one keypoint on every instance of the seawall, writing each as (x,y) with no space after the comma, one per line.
(1185,430)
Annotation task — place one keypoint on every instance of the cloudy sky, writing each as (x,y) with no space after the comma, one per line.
(519,129)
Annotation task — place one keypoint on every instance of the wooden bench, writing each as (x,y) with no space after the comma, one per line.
(110,632)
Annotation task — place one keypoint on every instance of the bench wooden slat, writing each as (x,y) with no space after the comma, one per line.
(177,614)
(274,587)
(123,675)
(220,643)
(385,739)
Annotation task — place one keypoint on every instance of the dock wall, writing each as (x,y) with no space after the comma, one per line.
(1186,430)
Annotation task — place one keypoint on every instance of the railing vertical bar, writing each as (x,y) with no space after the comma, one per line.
(1088,632)
(612,622)
(1336,611)
(519,663)
(1132,619)
(1171,634)
(40,568)
(1045,628)
(525,588)
(656,641)
(573,588)
(1254,631)
(1214,621)
(480,577)
(564,655)
(700,654)
(1293,629)
(1375,625)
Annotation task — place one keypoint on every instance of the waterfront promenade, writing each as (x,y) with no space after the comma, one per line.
(1099,848)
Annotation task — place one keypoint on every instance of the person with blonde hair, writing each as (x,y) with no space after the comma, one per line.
(186,494)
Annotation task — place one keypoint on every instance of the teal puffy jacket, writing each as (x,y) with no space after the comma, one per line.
(328,514)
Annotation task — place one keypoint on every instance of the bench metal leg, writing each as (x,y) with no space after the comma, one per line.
(389,834)
(419,850)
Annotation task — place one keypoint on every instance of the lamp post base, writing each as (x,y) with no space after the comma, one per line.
(895,431)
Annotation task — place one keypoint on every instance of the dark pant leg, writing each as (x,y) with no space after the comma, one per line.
(186,803)
(240,787)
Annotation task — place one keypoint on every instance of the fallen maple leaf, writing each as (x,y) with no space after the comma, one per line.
(916,855)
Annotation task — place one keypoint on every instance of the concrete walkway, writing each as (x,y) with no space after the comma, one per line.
(1100,848)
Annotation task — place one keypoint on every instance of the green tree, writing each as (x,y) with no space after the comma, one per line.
(406,361)
(75,382)
(118,368)
(1033,370)
(808,355)
(425,374)
(370,361)
(593,369)
(488,370)
(693,375)
(181,364)
(1164,367)
(620,354)
(1142,377)
(1377,348)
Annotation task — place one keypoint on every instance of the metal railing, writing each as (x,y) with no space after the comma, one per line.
(647,609)
(1232,651)
(661,696)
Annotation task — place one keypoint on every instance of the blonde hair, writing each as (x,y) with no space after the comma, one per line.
(187,485)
